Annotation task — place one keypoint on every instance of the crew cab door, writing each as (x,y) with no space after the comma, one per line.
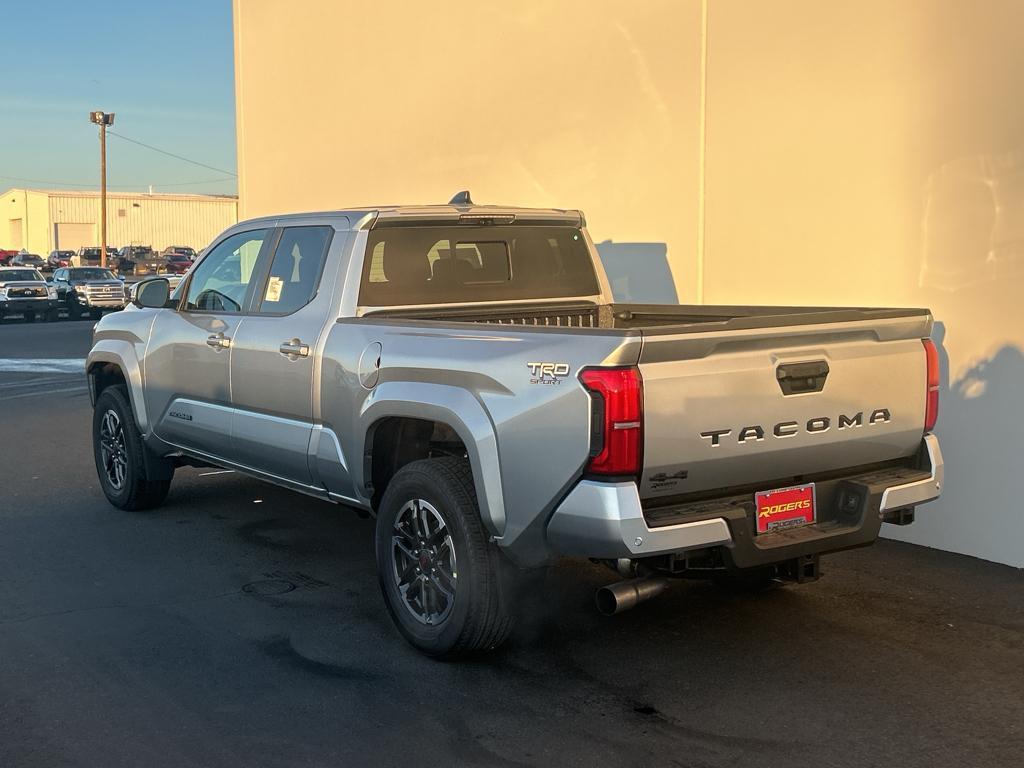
(188,360)
(273,360)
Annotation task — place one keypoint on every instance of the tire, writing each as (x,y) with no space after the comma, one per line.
(477,616)
(95,314)
(52,315)
(135,490)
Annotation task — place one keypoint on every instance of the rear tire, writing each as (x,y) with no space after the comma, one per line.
(442,578)
(120,455)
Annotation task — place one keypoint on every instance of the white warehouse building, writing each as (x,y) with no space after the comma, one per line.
(41,220)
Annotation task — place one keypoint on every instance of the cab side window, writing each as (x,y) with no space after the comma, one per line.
(220,282)
(295,271)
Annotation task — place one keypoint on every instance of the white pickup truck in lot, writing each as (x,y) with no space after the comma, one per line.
(462,373)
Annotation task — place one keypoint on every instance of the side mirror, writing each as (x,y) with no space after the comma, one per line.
(152,293)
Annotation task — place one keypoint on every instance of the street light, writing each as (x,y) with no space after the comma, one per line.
(103,119)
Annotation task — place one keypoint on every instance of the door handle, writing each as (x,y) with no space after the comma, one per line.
(294,348)
(218,341)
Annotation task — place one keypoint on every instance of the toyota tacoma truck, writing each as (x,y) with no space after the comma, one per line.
(462,373)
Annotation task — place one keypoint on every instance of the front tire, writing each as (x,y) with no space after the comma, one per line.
(120,455)
(442,578)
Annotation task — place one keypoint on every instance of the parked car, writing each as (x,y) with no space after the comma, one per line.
(89,290)
(89,256)
(30,260)
(180,250)
(463,373)
(23,291)
(6,256)
(140,260)
(58,259)
(177,264)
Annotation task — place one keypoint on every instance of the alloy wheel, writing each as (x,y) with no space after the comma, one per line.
(113,450)
(423,562)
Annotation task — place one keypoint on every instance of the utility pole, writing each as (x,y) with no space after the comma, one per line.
(103,119)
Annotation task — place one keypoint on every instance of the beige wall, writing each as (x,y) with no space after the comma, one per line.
(873,153)
(578,103)
(862,152)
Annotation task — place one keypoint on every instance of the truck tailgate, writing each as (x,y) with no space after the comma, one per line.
(737,407)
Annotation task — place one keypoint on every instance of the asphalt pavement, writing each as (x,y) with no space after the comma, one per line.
(241,625)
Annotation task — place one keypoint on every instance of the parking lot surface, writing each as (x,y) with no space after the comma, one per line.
(241,624)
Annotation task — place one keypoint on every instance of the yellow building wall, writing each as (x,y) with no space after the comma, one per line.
(862,152)
(872,153)
(579,103)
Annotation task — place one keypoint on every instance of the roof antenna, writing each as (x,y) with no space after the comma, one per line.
(461,198)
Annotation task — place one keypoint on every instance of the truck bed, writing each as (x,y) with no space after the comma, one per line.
(650,318)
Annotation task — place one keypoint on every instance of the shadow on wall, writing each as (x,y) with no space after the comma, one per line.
(638,272)
(979,429)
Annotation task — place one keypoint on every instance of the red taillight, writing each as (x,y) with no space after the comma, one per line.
(931,410)
(616,436)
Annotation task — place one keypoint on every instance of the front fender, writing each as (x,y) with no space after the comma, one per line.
(465,414)
(122,354)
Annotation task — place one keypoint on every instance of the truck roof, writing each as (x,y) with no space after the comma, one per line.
(368,217)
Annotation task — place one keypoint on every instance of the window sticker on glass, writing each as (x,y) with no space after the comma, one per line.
(274,286)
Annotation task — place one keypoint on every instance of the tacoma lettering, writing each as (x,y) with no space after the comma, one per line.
(815,426)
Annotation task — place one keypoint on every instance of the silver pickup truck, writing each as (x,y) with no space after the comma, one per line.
(462,373)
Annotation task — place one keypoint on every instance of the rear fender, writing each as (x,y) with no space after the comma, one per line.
(461,411)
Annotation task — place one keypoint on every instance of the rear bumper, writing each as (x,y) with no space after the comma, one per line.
(607,520)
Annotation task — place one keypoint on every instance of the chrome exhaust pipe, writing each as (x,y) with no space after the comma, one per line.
(623,595)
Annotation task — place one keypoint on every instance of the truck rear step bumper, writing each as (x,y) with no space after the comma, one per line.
(607,520)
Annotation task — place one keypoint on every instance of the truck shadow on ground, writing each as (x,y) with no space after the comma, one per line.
(979,416)
(701,667)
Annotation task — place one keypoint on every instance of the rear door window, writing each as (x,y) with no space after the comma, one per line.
(295,270)
(454,264)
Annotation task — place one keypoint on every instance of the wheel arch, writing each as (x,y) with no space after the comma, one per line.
(108,365)
(402,420)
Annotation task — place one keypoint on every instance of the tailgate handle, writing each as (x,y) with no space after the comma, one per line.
(798,378)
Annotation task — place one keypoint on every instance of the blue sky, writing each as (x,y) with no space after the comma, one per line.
(164,68)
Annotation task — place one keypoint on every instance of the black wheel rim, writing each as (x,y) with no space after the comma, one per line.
(112,450)
(423,562)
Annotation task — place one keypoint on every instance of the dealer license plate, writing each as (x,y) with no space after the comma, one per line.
(784,508)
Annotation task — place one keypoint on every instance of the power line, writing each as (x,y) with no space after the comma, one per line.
(78,184)
(189,183)
(171,154)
